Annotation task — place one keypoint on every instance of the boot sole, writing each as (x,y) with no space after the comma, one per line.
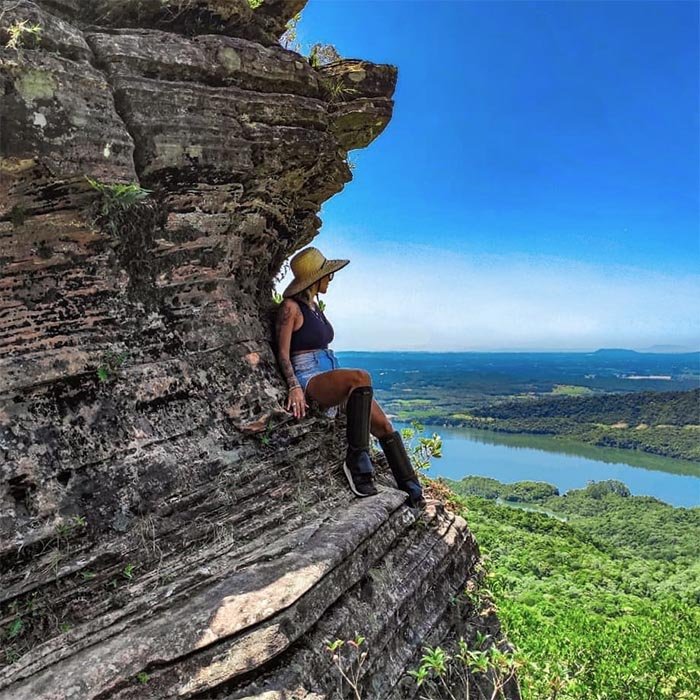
(348,476)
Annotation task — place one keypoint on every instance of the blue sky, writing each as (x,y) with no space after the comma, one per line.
(538,185)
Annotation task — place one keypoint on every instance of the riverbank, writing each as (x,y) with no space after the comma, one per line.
(563,463)
(576,443)
(674,442)
(660,423)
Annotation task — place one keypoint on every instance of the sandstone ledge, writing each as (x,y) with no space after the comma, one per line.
(361,564)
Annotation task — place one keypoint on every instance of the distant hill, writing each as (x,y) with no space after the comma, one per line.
(616,352)
(654,350)
(671,349)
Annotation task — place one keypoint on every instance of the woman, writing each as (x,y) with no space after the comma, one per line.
(312,373)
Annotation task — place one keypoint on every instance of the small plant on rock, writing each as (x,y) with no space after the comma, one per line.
(66,531)
(128,572)
(114,200)
(454,675)
(18,215)
(110,365)
(265,436)
(15,629)
(433,667)
(23,33)
(348,657)
(323,54)
(132,220)
(121,195)
(26,622)
(336,90)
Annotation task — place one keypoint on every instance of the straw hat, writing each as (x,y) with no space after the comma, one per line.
(309,266)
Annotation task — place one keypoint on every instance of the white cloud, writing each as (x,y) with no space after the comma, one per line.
(418,297)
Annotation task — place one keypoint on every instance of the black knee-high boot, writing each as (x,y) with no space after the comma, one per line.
(402,469)
(358,466)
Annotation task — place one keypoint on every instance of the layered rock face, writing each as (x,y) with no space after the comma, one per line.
(166,528)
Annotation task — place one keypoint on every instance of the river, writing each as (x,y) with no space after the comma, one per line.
(562,463)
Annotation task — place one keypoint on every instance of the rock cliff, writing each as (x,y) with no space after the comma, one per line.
(166,528)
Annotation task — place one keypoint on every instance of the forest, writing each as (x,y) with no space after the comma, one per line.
(677,408)
(663,423)
(597,589)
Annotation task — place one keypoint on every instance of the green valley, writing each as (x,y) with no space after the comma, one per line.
(602,600)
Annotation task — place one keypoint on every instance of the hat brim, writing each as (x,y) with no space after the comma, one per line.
(300,285)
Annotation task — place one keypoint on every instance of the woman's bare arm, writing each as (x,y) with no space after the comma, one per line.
(286,317)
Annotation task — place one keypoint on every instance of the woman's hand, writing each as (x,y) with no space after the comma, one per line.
(297,402)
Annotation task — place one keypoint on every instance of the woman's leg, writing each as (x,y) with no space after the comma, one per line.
(380,424)
(333,387)
(354,386)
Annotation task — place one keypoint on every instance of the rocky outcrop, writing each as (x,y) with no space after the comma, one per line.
(166,528)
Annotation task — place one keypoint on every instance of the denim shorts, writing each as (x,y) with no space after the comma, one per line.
(309,364)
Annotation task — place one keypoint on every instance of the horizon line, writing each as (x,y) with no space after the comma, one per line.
(688,351)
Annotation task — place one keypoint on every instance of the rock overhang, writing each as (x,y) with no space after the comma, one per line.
(144,451)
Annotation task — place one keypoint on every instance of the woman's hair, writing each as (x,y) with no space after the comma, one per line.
(307,295)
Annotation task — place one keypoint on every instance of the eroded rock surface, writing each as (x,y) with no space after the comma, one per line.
(166,529)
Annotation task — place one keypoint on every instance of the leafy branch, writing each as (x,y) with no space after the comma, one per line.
(290,39)
(323,54)
(421,449)
(117,196)
(318,54)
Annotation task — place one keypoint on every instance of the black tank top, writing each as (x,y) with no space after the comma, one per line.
(315,333)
